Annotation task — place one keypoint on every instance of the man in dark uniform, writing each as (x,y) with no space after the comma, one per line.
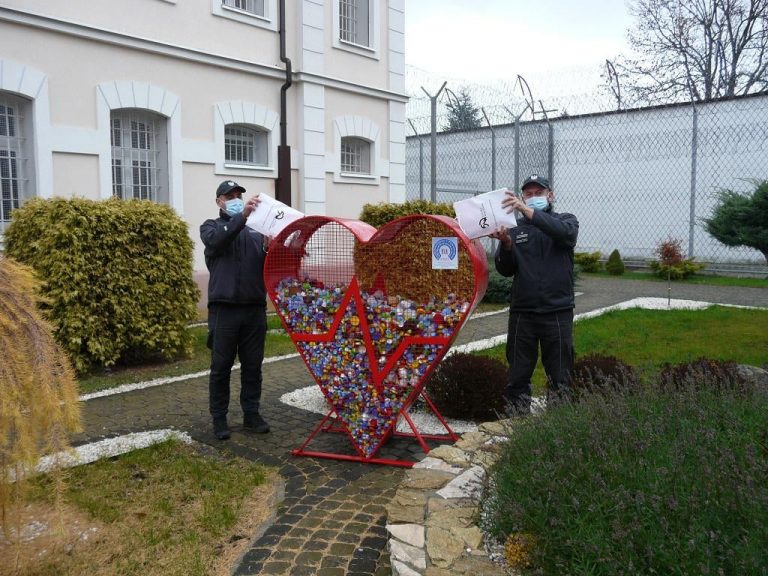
(538,253)
(237,317)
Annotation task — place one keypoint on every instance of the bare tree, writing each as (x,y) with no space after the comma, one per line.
(696,49)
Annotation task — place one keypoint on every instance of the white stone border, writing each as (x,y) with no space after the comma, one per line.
(108,448)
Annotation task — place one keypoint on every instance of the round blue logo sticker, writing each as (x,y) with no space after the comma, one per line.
(444,248)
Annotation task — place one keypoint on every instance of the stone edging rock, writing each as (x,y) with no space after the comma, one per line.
(432,518)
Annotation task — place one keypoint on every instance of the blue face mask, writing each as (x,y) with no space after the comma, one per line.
(537,202)
(234,206)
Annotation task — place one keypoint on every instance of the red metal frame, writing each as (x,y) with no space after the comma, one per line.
(284,260)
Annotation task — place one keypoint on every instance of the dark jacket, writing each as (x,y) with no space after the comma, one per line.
(541,261)
(234,255)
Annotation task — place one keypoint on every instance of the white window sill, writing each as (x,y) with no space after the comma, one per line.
(247,167)
(360,49)
(357,175)
(352,178)
(235,170)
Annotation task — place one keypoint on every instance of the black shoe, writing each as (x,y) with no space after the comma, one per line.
(221,429)
(255,423)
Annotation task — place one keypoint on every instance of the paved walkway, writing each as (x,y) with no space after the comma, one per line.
(332,519)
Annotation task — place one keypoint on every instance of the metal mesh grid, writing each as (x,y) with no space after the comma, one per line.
(245,145)
(250,6)
(12,157)
(633,177)
(353,21)
(355,155)
(368,313)
(137,160)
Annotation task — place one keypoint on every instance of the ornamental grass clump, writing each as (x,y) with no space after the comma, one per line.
(597,373)
(38,392)
(702,372)
(661,481)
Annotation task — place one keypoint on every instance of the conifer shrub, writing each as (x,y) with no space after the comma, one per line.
(116,276)
(379,214)
(39,408)
(615,265)
(468,387)
(702,373)
(499,287)
(597,373)
(588,261)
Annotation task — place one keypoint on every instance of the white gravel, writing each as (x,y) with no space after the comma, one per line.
(108,448)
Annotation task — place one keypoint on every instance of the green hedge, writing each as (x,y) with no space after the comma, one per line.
(588,261)
(116,276)
(379,214)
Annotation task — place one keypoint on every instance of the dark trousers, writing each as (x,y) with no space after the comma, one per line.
(554,333)
(235,331)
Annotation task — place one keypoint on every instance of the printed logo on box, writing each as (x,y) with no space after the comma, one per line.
(445,253)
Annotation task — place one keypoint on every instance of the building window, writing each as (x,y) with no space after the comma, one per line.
(355,156)
(245,145)
(255,7)
(14,158)
(355,22)
(139,155)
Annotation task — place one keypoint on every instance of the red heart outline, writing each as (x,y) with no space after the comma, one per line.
(286,259)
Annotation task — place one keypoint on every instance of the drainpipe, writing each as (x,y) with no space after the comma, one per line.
(283,182)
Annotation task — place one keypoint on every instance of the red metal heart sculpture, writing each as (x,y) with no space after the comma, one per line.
(372,312)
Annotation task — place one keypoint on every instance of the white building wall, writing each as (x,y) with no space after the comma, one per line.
(178,60)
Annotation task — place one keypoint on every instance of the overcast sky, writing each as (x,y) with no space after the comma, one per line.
(486,40)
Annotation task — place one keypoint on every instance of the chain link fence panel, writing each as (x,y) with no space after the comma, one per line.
(634,178)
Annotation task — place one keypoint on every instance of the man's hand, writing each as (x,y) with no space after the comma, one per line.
(502,235)
(511,203)
(251,205)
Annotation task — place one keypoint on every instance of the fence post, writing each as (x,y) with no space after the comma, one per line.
(694,157)
(550,145)
(517,154)
(493,149)
(421,160)
(433,140)
(517,117)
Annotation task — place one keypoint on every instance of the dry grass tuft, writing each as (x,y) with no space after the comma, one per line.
(38,391)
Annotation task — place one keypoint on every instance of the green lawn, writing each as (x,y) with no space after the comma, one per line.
(650,338)
(696,279)
(163,510)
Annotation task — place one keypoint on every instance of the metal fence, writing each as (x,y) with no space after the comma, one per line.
(634,178)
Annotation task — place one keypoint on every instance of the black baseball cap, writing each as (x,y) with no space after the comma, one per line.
(536,179)
(228,186)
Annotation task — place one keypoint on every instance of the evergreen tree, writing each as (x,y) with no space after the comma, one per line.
(462,113)
(741,219)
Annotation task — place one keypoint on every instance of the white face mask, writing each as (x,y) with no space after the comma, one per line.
(234,206)
(537,202)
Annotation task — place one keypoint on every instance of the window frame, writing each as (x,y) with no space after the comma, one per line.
(17,160)
(139,155)
(269,20)
(260,145)
(364,149)
(251,115)
(372,49)
(364,129)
